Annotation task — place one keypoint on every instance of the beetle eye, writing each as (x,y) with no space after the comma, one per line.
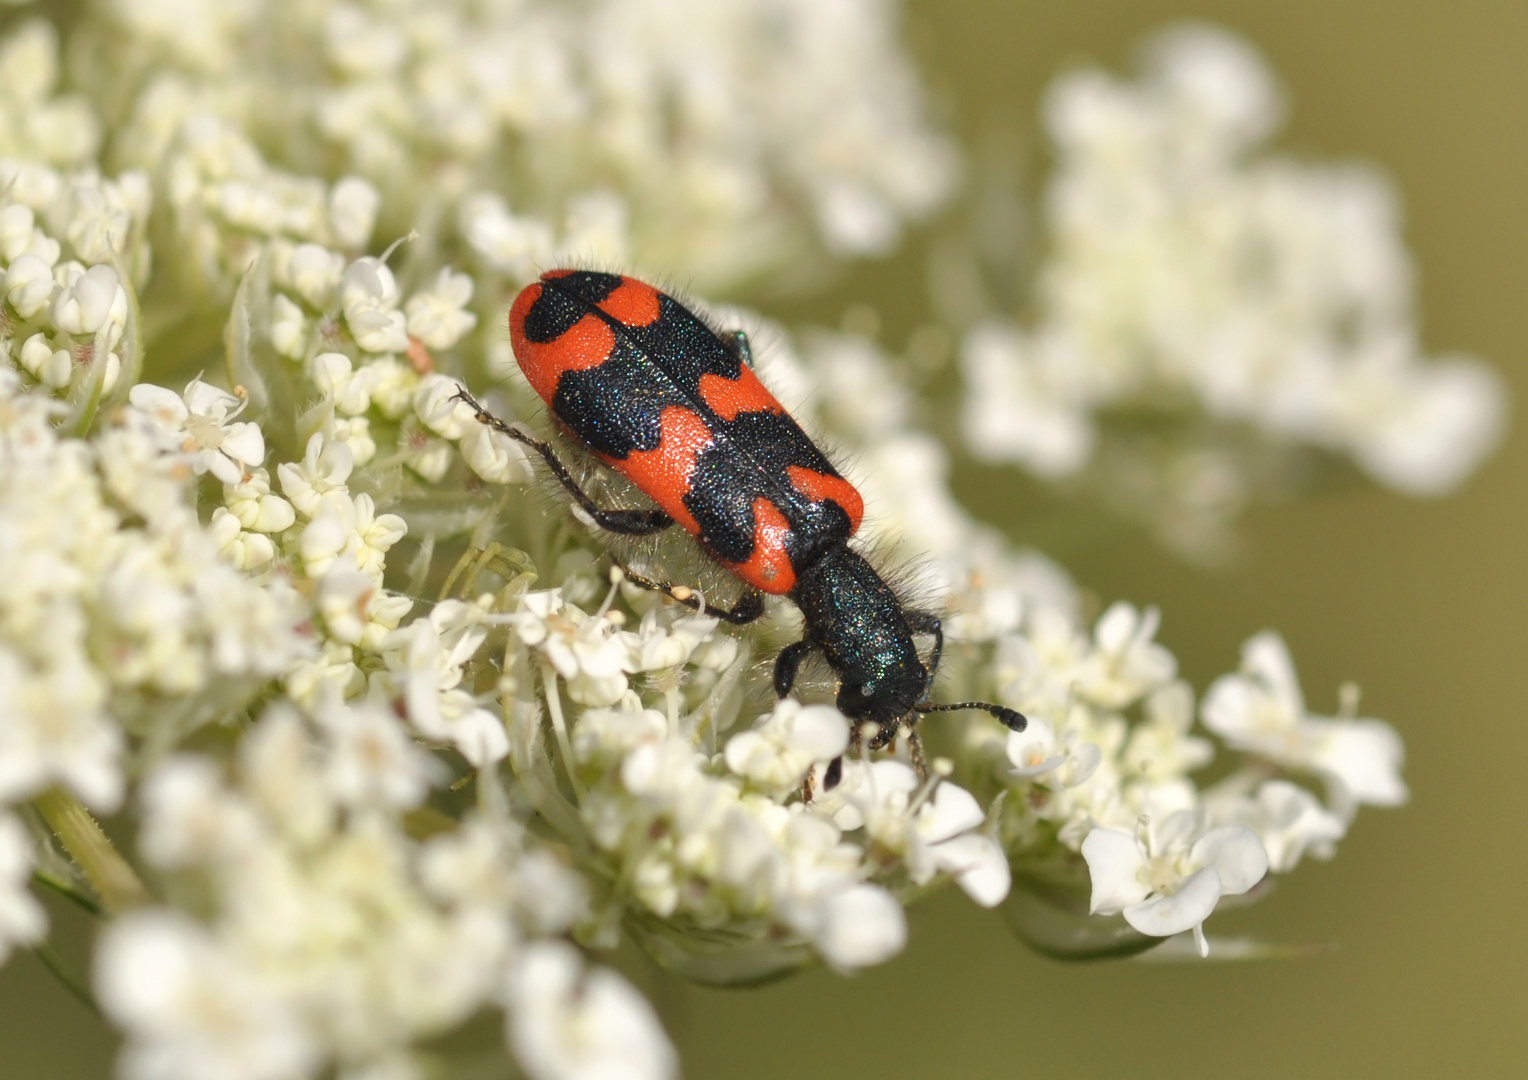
(854,701)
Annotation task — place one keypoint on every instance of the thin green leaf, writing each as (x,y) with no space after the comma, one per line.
(1054,920)
(1180,949)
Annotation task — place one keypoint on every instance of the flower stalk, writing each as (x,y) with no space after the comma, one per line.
(115,882)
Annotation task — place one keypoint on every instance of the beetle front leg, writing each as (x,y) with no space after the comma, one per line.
(788,663)
(923,622)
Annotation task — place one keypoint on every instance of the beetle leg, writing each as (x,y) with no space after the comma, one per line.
(739,342)
(744,610)
(923,622)
(625,522)
(833,773)
(915,749)
(788,663)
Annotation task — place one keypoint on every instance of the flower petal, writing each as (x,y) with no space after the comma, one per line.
(819,732)
(1266,657)
(204,399)
(158,399)
(951,811)
(1164,916)
(1115,627)
(1364,756)
(1114,859)
(862,925)
(978,866)
(1029,748)
(1236,855)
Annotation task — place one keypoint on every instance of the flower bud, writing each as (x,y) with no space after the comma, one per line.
(52,366)
(353,212)
(315,273)
(16,224)
(29,285)
(93,302)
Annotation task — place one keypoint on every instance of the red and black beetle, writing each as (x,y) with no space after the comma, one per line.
(675,407)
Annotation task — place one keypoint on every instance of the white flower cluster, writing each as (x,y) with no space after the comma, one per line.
(333,544)
(337,938)
(118,598)
(723,842)
(363,347)
(226,201)
(719,848)
(1085,777)
(1182,269)
(36,122)
(1158,849)
(72,246)
(117,614)
(718,139)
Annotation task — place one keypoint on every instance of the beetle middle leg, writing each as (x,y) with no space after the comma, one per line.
(624,522)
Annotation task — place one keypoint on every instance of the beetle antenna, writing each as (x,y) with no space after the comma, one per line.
(1009,718)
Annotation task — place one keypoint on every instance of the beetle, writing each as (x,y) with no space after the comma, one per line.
(674,406)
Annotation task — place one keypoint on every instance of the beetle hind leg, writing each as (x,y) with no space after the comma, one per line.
(746,609)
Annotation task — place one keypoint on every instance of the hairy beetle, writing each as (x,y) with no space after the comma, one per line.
(675,407)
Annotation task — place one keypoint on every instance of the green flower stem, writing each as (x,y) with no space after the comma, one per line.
(103,866)
(132,336)
(66,978)
(560,728)
(77,896)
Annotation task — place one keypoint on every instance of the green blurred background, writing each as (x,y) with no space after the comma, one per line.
(1421,603)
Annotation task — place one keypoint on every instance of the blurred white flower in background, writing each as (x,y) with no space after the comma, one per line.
(569,1024)
(1184,269)
(22,919)
(713,140)
(1262,711)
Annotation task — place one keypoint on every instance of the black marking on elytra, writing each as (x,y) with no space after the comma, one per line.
(723,490)
(684,347)
(721,497)
(678,342)
(777,443)
(616,407)
(551,316)
(590,286)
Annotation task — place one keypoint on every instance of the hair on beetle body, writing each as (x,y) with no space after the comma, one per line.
(661,397)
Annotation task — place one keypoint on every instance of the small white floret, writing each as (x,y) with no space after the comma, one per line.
(567,1022)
